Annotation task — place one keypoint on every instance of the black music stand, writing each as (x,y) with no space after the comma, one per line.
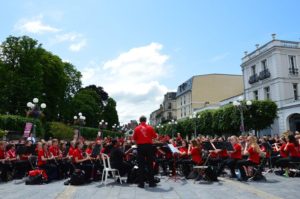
(175,153)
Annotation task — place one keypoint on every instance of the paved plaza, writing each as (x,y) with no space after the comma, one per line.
(275,187)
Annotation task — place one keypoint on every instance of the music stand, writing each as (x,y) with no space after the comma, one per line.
(228,146)
(96,151)
(174,152)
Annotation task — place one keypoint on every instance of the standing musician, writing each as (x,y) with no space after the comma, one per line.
(235,156)
(143,136)
(253,151)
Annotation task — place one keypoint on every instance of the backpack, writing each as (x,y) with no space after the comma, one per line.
(36,176)
(77,177)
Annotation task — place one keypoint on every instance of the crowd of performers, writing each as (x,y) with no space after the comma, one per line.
(60,158)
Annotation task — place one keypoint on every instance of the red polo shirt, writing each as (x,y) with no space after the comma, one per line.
(196,155)
(283,153)
(253,155)
(77,153)
(40,154)
(54,150)
(292,150)
(2,154)
(143,134)
(237,154)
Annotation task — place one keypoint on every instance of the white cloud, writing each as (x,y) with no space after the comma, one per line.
(35,26)
(76,41)
(132,79)
(75,47)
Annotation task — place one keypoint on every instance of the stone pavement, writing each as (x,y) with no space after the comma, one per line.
(275,187)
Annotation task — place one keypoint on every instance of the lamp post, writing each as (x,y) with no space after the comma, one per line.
(241,107)
(80,119)
(35,111)
(102,125)
(172,123)
(194,117)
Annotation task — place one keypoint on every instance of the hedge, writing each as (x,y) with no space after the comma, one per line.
(91,133)
(17,123)
(60,131)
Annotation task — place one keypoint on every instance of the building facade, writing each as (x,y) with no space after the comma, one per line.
(206,90)
(271,72)
(156,116)
(169,107)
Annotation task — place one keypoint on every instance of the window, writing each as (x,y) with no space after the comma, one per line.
(264,64)
(267,92)
(253,69)
(295,88)
(184,99)
(255,95)
(292,60)
(170,105)
(169,115)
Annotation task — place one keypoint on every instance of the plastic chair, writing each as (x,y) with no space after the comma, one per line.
(107,168)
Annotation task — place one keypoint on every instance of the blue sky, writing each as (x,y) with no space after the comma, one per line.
(139,49)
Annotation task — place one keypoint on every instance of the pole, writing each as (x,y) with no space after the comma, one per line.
(242,121)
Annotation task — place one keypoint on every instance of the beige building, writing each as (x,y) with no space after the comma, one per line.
(206,90)
(156,116)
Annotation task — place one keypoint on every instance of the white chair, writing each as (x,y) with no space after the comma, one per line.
(107,168)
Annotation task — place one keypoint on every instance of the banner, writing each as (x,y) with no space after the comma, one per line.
(27,129)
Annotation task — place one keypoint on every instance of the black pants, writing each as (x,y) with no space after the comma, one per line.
(21,168)
(284,162)
(231,163)
(186,165)
(145,157)
(51,171)
(240,165)
(4,168)
(87,168)
(123,167)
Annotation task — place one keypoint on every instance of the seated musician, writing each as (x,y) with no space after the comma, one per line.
(44,158)
(253,151)
(117,159)
(81,162)
(279,148)
(4,167)
(195,151)
(89,149)
(57,155)
(235,155)
(71,149)
(23,165)
(266,148)
(292,148)
(184,159)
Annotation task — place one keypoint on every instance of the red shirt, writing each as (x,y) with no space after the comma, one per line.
(40,154)
(71,151)
(253,155)
(264,149)
(54,150)
(2,154)
(283,153)
(237,154)
(292,150)
(11,154)
(77,154)
(223,153)
(88,151)
(184,150)
(213,154)
(143,134)
(196,155)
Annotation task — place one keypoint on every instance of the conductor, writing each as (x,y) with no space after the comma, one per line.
(143,136)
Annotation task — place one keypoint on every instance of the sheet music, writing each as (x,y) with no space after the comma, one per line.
(173,149)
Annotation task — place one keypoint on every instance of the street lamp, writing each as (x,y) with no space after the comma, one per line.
(35,111)
(241,107)
(102,126)
(194,117)
(172,123)
(80,119)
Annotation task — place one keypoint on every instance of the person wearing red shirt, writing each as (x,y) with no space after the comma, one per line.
(143,136)
(292,149)
(44,158)
(83,163)
(184,158)
(4,168)
(235,155)
(195,152)
(253,151)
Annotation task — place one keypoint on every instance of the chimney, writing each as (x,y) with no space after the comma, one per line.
(273,36)
(246,53)
(256,45)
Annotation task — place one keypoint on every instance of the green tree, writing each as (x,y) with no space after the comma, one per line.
(110,113)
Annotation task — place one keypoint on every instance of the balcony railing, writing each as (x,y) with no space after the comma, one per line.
(293,71)
(254,78)
(264,74)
